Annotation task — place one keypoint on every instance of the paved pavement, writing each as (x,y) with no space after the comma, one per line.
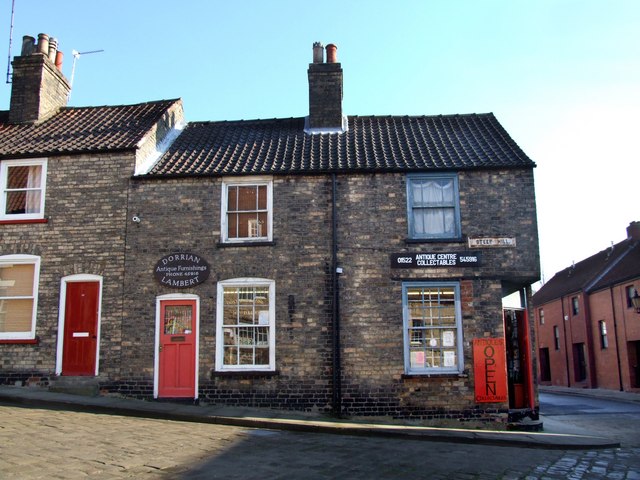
(553,438)
(38,443)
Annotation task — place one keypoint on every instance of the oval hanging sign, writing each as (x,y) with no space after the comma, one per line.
(181,270)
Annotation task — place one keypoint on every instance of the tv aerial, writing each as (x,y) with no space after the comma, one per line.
(76,55)
(9,74)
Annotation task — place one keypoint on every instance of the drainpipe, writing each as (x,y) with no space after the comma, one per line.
(615,332)
(524,295)
(591,358)
(337,373)
(566,350)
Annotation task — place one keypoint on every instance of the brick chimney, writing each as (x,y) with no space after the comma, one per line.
(38,87)
(325,92)
(633,231)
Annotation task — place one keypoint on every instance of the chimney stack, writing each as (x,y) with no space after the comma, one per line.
(633,231)
(325,91)
(38,89)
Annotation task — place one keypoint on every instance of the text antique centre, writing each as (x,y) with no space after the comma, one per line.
(431,259)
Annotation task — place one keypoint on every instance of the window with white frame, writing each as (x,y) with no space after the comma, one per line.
(18,296)
(245,326)
(433,206)
(247,209)
(432,328)
(23,189)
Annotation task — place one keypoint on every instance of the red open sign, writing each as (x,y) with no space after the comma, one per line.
(490,372)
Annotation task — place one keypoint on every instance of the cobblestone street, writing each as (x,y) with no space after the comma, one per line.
(37,443)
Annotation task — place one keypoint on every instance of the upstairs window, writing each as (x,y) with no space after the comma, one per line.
(541,316)
(247,210)
(23,188)
(18,296)
(575,306)
(433,206)
(630,293)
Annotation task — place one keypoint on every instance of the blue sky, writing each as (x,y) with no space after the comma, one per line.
(562,76)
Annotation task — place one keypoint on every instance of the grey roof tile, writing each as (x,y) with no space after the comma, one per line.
(81,129)
(372,143)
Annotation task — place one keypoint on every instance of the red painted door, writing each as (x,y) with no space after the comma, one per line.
(80,328)
(177,349)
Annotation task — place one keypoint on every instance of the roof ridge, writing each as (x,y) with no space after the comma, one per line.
(242,120)
(138,104)
(612,265)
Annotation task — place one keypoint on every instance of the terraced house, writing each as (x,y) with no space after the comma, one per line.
(327,263)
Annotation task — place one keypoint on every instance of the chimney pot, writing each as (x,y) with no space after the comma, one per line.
(318,52)
(43,43)
(332,53)
(28,45)
(633,231)
(59,56)
(53,48)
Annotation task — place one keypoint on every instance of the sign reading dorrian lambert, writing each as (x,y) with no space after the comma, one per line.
(433,259)
(484,242)
(181,270)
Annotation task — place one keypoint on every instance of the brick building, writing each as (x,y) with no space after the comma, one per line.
(333,262)
(587,326)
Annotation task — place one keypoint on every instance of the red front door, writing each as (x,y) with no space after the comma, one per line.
(80,328)
(177,349)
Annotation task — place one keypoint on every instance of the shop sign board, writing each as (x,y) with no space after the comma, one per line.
(181,270)
(435,259)
(489,369)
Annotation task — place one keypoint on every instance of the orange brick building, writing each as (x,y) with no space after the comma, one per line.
(587,326)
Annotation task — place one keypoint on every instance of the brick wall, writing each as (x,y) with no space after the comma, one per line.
(90,230)
(85,210)
(612,367)
(183,215)
(373,223)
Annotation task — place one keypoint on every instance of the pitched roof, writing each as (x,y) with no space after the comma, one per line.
(81,130)
(616,264)
(627,268)
(371,143)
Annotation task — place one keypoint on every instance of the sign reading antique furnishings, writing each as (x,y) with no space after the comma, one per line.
(489,370)
(432,259)
(181,270)
(492,242)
